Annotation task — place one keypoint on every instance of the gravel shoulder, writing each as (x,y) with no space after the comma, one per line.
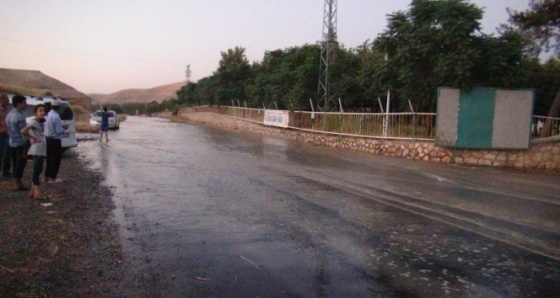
(70,248)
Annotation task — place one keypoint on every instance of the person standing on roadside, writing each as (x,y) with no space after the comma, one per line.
(4,136)
(15,121)
(38,149)
(54,130)
(48,108)
(104,125)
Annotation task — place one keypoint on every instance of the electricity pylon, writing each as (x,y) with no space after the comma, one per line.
(188,73)
(328,45)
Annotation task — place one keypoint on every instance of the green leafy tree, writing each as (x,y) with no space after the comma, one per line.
(302,73)
(372,76)
(544,78)
(132,108)
(187,94)
(541,23)
(115,107)
(153,107)
(344,78)
(169,104)
(287,78)
(438,43)
(233,71)
(269,83)
(206,91)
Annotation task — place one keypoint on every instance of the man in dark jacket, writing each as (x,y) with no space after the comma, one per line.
(104,125)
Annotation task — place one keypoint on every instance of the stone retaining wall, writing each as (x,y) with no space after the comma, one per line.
(540,156)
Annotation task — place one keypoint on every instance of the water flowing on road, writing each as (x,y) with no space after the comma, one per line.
(208,212)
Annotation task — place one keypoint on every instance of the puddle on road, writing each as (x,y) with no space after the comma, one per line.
(194,204)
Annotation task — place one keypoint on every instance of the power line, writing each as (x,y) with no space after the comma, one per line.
(79,53)
(272,23)
(264,20)
(255,12)
(292,23)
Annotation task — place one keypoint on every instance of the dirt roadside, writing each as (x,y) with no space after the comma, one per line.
(70,248)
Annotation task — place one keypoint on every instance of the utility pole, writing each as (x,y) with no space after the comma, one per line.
(328,45)
(188,74)
(188,80)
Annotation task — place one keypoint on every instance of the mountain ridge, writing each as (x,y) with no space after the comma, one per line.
(34,82)
(138,95)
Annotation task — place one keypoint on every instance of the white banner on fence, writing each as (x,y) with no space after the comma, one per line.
(276,118)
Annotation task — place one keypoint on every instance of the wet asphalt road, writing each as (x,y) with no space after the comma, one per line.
(210,213)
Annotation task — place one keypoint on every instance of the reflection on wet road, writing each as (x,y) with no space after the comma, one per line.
(205,212)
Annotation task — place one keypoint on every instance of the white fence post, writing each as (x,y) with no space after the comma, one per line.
(386,120)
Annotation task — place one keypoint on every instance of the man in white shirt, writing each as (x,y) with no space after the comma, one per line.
(54,130)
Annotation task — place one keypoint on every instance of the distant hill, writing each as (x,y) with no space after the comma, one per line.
(33,82)
(96,96)
(158,94)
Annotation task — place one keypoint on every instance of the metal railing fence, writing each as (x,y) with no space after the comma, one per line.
(399,125)
(545,127)
(255,115)
(419,126)
(393,125)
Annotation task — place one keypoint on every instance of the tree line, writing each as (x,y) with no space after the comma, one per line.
(432,44)
(170,104)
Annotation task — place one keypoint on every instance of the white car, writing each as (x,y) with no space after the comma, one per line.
(114,122)
(66,115)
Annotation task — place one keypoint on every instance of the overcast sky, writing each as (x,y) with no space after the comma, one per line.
(103,46)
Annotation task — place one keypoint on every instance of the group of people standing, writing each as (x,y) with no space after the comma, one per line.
(38,140)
